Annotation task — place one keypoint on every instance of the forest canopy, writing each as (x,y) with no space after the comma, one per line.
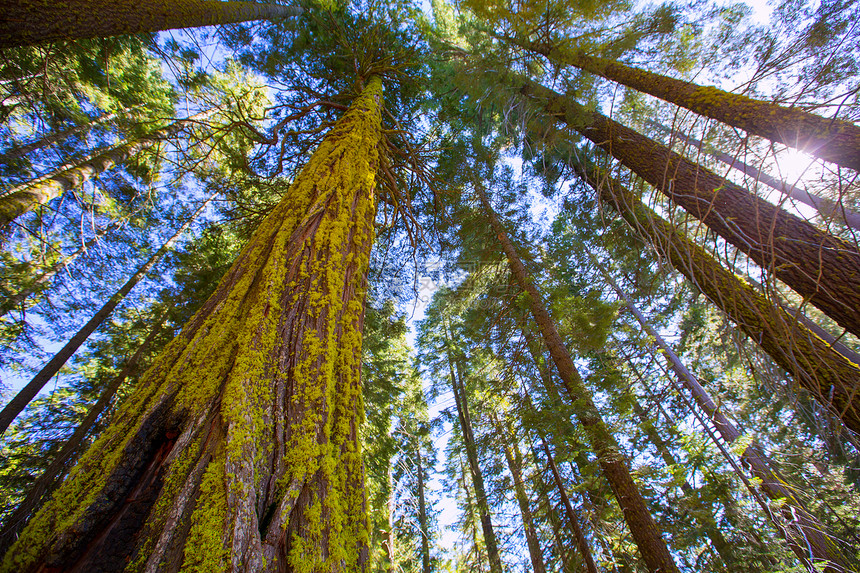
(336,285)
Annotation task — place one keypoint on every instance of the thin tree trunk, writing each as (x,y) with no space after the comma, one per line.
(19,151)
(9,303)
(28,22)
(811,540)
(651,545)
(709,524)
(27,196)
(46,482)
(515,462)
(422,515)
(239,448)
(572,517)
(477,476)
(389,542)
(825,207)
(28,392)
(819,266)
(828,138)
(815,365)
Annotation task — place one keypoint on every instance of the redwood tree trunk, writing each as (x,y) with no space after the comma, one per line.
(240,451)
(828,138)
(648,538)
(28,22)
(820,267)
(815,364)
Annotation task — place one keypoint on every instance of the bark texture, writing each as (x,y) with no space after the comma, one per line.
(28,22)
(831,378)
(239,450)
(820,267)
(828,138)
(27,196)
(648,538)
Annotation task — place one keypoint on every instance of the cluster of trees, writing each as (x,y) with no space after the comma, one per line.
(645,355)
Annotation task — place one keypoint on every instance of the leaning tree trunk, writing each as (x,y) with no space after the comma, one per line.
(820,267)
(27,196)
(13,301)
(515,465)
(825,207)
(828,138)
(239,450)
(28,392)
(612,462)
(46,482)
(463,415)
(806,535)
(815,364)
(28,22)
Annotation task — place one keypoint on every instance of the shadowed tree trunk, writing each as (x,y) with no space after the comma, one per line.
(28,392)
(815,364)
(27,196)
(648,538)
(28,22)
(239,450)
(825,207)
(828,138)
(422,514)
(820,267)
(477,476)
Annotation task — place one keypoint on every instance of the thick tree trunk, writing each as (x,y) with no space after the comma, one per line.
(239,451)
(820,267)
(27,196)
(12,301)
(825,207)
(28,392)
(828,138)
(515,464)
(28,22)
(808,537)
(47,481)
(816,366)
(653,549)
(477,476)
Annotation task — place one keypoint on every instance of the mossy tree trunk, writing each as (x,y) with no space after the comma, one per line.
(613,464)
(828,138)
(828,376)
(465,419)
(28,22)
(821,267)
(239,450)
(29,195)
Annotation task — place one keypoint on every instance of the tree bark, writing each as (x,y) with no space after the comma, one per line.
(46,482)
(477,476)
(27,196)
(822,268)
(28,22)
(651,545)
(422,515)
(828,138)
(28,392)
(239,450)
(825,207)
(808,537)
(828,376)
